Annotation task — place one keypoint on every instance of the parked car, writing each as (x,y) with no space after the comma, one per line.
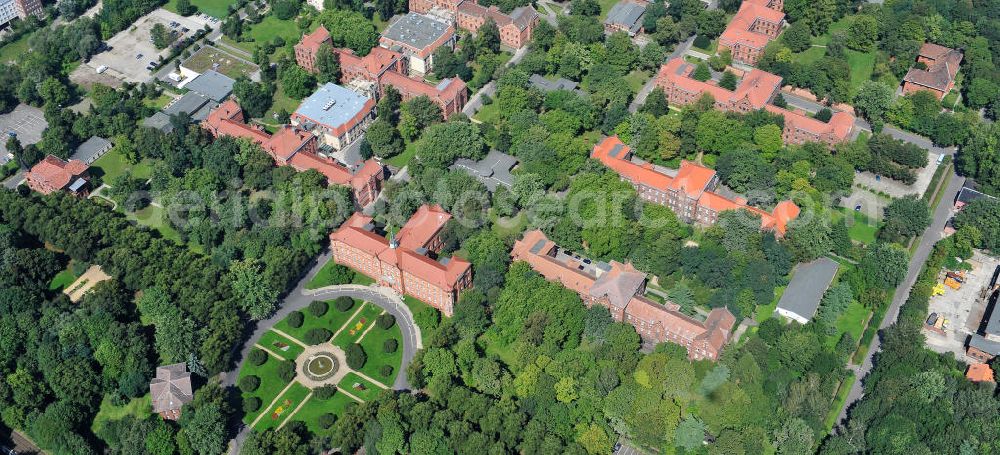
(138,56)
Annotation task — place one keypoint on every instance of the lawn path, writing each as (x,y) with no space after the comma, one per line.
(275,400)
(369,329)
(349,395)
(294,340)
(341,329)
(262,348)
(303,403)
(365,377)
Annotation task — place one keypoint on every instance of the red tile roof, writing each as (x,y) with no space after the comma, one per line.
(692,179)
(739,28)
(757,86)
(314,40)
(422,227)
(942,69)
(53,173)
(979,372)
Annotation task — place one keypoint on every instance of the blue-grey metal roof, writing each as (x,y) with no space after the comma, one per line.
(494,170)
(545,85)
(416,30)
(91,149)
(626,14)
(979,342)
(804,292)
(332,105)
(158,121)
(212,84)
(190,103)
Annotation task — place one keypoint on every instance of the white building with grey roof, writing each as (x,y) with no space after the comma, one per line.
(804,293)
(417,36)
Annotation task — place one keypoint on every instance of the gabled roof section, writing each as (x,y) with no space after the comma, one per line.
(619,285)
(693,179)
(739,28)
(171,388)
(314,40)
(422,227)
(56,172)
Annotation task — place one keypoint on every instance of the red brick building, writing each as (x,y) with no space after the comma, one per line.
(939,78)
(55,174)
(382,68)
(755,91)
(292,146)
(620,288)
(405,261)
(755,24)
(690,194)
(515,28)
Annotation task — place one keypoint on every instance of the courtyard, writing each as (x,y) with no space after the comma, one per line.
(307,352)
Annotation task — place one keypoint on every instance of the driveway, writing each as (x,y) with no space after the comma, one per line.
(13,181)
(933,233)
(476,101)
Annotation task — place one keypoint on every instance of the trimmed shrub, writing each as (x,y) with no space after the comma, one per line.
(249,383)
(389,346)
(251,404)
(326,420)
(286,371)
(318,335)
(295,319)
(325,392)
(356,356)
(386,321)
(318,308)
(343,303)
(257,357)
(385,371)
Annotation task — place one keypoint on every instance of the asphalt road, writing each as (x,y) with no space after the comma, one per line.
(14,180)
(942,213)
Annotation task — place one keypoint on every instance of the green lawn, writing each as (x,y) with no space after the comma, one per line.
(270,384)
(764,312)
(370,391)
(425,316)
(862,65)
(358,324)
(372,344)
(284,407)
(280,345)
(113,164)
(488,113)
(401,160)
(852,321)
(811,55)
(332,320)
(14,50)
(139,408)
(214,8)
(61,280)
(158,102)
(309,414)
(840,25)
(323,278)
(272,27)
(861,228)
(636,79)
(606,7)
(280,101)
(155,218)
(838,402)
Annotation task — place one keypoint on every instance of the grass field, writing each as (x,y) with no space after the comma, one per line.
(764,312)
(424,315)
(61,280)
(158,102)
(310,412)
(285,348)
(214,8)
(357,326)
(155,218)
(372,344)
(811,55)
(370,392)
(278,413)
(323,277)
(270,384)
(404,158)
(605,7)
(138,408)
(113,164)
(852,321)
(838,402)
(230,65)
(13,51)
(862,65)
(861,228)
(272,27)
(636,79)
(332,320)
(840,25)
(279,102)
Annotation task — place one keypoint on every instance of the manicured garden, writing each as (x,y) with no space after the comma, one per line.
(271,387)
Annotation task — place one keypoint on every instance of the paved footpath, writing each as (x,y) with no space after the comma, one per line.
(933,233)
(300,297)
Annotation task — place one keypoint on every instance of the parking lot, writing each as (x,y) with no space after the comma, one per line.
(26,122)
(899,189)
(962,308)
(131,51)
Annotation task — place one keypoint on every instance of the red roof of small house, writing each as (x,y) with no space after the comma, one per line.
(55,173)
(620,164)
(314,40)
(979,372)
(757,86)
(419,87)
(377,61)
(738,30)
